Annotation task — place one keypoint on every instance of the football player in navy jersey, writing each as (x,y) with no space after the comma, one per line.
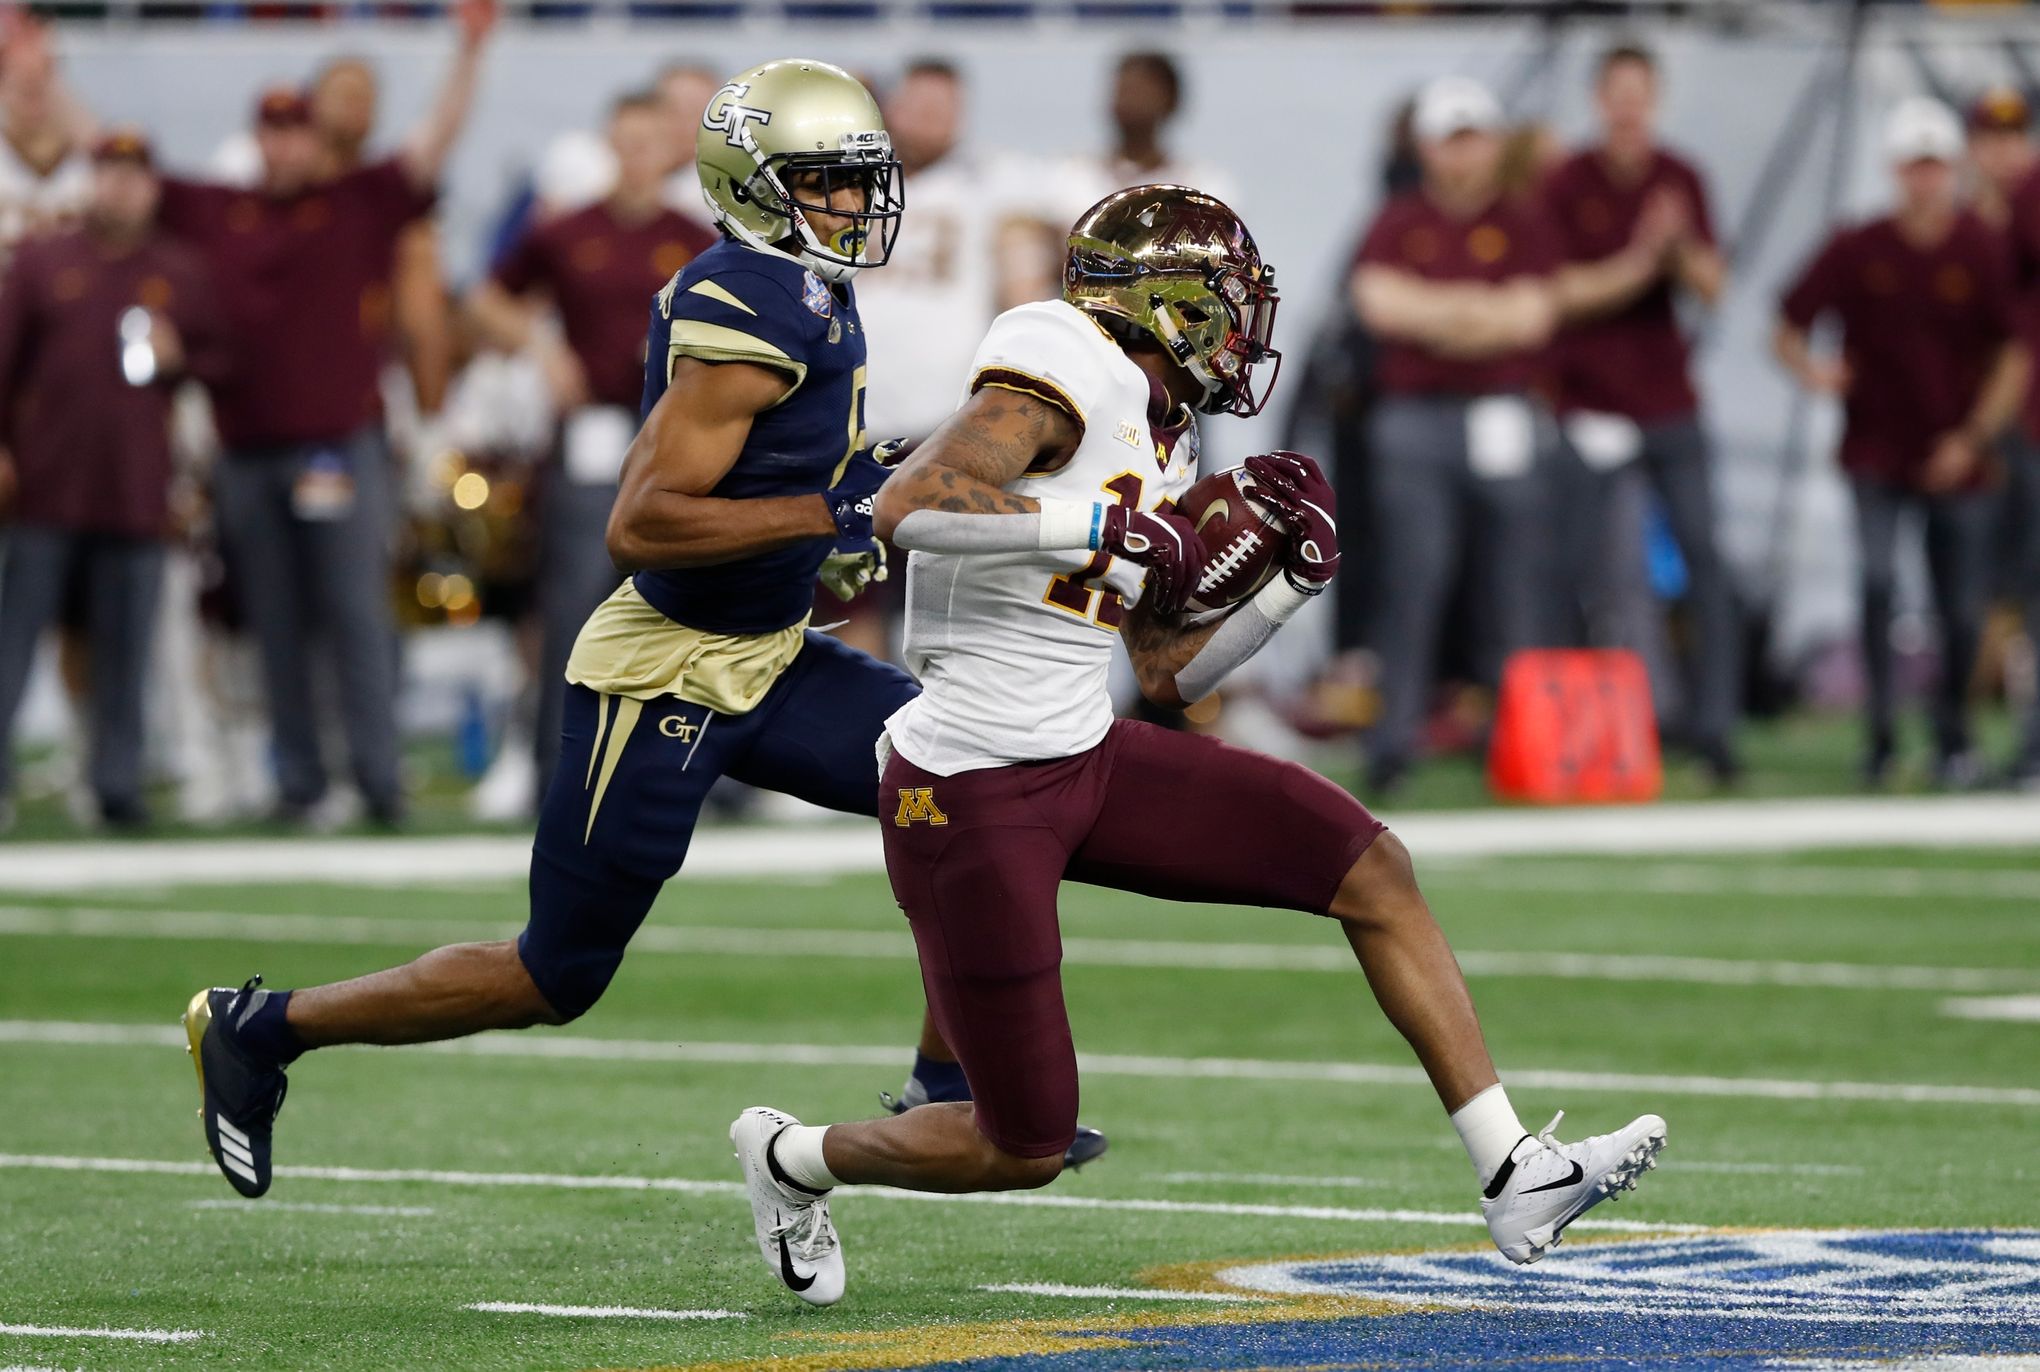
(748,481)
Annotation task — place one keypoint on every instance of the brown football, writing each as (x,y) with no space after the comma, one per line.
(1242,538)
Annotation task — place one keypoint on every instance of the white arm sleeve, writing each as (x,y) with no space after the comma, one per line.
(1061,525)
(1244,633)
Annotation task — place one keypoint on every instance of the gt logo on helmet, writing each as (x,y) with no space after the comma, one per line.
(728,117)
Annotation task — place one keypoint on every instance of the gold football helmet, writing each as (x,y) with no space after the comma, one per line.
(1176,264)
(778,121)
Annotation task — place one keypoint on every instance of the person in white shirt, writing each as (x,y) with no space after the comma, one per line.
(684,89)
(924,314)
(45,174)
(1146,98)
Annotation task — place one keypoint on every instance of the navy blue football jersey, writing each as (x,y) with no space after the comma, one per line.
(735,304)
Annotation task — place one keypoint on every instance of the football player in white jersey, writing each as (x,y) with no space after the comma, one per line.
(1041,529)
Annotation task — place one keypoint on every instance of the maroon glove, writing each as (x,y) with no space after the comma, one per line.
(1165,543)
(1292,486)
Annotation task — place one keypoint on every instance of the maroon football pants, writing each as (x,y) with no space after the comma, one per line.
(976,858)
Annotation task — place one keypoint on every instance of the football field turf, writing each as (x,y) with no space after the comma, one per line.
(1834,1039)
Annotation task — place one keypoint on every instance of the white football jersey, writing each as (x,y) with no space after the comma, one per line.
(1013,649)
(926,309)
(34,200)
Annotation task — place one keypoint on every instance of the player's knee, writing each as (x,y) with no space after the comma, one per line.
(997,1168)
(1380,888)
(1011,1172)
(520,1000)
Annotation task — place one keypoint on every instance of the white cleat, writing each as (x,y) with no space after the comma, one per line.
(795,1236)
(1546,1185)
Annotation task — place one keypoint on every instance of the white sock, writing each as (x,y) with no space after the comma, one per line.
(798,1151)
(1488,1127)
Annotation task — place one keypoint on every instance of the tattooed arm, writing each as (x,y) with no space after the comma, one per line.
(949,497)
(1160,648)
(1179,664)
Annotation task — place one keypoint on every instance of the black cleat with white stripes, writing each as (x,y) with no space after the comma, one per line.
(239,1093)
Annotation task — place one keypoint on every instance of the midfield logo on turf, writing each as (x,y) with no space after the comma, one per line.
(1910,1276)
(917,806)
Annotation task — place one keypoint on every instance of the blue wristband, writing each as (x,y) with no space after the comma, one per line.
(1097,524)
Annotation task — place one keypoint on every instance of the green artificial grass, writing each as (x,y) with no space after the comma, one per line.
(274,1286)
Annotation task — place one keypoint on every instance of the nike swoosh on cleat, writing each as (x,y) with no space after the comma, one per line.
(787,1274)
(1577,1172)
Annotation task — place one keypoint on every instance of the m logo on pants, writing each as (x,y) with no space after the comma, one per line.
(917,805)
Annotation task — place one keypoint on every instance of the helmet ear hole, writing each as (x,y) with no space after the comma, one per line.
(1192,315)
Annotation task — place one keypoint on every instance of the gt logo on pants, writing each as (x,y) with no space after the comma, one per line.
(673,726)
(917,805)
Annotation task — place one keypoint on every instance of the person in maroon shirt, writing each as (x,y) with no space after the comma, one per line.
(2002,154)
(344,96)
(596,270)
(302,265)
(97,325)
(1463,287)
(1626,401)
(1931,372)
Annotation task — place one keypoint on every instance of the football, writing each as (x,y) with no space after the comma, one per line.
(1242,536)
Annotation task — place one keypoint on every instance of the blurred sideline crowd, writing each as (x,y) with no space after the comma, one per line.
(251,441)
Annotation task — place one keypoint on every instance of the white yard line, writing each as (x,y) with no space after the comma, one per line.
(791,851)
(1802,1169)
(1262,1179)
(1025,1200)
(600,1312)
(374,1175)
(1742,826)
(576,1047)
(1118,1293)
(1797,1169)
(306,1208)
(2014,1009)
(883,945)
(58,1331)
(1665,878)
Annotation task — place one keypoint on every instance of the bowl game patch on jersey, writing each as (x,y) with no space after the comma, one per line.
(815,295)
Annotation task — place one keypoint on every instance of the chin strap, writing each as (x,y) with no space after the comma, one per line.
(1185,354)
(809,255)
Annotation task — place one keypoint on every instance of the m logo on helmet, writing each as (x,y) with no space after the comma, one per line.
(727,115)
(917,806)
